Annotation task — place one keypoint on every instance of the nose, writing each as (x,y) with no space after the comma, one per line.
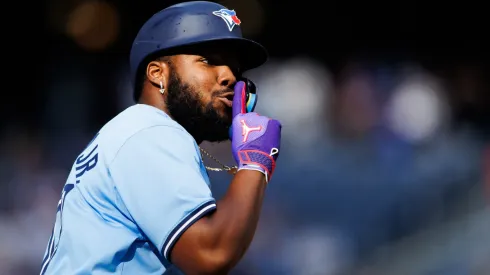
(226,77)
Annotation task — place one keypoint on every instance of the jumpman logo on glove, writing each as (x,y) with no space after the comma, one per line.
(247,129)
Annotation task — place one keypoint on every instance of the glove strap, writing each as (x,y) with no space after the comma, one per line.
(257,160)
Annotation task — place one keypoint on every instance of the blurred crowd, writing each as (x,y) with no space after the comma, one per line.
(384,169)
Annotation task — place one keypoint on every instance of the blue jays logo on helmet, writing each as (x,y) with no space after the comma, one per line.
(229,16)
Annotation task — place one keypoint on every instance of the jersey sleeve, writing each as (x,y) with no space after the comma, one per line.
(157,174)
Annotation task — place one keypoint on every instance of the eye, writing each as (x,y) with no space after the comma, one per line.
(204,60)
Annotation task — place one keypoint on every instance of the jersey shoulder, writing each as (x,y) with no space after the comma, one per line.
(131,121)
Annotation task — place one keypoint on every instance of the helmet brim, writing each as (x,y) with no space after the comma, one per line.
(249,53)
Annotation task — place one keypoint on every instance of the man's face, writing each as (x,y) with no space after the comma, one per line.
(200,92)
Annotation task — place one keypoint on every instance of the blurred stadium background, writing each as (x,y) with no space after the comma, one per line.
(385,165)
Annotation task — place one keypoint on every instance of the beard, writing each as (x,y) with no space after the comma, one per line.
(200,120)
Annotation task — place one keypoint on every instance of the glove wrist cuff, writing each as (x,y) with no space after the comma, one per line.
(256,160)
(255,168)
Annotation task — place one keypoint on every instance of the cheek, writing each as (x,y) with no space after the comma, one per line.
(203,88)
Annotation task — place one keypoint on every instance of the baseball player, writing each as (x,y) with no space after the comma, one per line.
(138,198)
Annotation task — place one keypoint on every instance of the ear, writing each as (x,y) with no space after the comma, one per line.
(156,72)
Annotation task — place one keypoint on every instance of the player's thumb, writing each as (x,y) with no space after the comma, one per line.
(239,99)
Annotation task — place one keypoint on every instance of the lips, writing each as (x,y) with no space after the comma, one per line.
(226,101)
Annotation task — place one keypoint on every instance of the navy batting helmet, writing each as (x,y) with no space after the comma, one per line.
(193,23)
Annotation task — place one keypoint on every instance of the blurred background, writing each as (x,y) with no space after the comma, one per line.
(385,163)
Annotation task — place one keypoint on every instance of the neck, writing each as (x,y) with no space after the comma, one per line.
(157,102)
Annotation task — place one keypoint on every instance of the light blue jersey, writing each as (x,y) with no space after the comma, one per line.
(137,186)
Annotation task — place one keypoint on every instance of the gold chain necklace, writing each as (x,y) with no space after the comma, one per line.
(232,170)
